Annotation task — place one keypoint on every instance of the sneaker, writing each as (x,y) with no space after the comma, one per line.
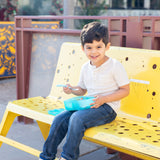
(42,159)
(61,158)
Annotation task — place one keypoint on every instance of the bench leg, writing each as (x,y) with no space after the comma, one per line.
(123,156)
(44,127)
(6,123)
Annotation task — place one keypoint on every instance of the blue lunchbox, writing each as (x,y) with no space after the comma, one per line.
(78,103)
(55,112)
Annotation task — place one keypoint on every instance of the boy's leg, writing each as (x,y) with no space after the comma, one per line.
(79,122)
(57,132)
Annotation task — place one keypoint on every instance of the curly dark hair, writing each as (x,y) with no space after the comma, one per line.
(94,31)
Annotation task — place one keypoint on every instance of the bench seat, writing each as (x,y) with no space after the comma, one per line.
(126,132)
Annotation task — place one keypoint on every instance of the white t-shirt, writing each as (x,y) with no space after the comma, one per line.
(103,80)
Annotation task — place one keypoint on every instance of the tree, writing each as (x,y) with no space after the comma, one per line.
(90,8)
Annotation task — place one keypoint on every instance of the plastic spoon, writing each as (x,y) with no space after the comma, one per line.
(63,85)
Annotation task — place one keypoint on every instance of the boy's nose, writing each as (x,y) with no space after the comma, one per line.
(94,51)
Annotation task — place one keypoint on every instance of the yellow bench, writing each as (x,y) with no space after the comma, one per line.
(136,130)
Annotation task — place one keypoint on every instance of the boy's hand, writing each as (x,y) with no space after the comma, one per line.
(98,101)
(67,89)
(76,90)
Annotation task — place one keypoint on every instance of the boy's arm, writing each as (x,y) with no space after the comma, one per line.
(79,91)
(74,90)
(122,92)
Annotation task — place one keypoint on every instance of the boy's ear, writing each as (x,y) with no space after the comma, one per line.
(82,48)
(108,46)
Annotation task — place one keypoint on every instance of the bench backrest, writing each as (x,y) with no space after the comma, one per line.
(143,69)
(70,60)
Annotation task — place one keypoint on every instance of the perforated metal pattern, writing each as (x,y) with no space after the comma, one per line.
(140,136)
(40,104)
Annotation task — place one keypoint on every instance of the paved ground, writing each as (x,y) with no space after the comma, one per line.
(31,135)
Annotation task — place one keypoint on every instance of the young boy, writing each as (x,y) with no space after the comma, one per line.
(102,77)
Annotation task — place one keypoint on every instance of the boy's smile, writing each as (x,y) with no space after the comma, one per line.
(95,52)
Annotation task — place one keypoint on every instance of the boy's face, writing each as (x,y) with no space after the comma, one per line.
(95,52)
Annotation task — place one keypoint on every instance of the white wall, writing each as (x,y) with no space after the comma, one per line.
(134,12)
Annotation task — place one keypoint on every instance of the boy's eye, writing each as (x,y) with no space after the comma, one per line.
(88,47)
(99,47)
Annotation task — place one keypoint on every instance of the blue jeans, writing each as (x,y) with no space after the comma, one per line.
(73,124)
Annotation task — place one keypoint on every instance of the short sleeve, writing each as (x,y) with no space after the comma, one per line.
(81,79)
(120,74)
